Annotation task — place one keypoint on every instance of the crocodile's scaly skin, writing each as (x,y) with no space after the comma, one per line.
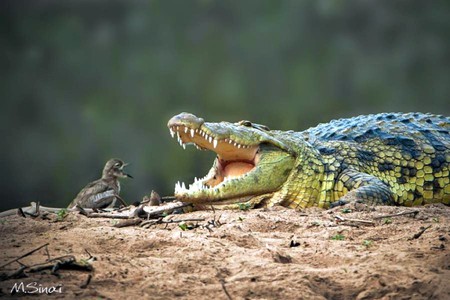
(400,159)
(385,158)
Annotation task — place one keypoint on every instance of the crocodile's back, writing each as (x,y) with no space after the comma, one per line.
(428,128)
(409,152)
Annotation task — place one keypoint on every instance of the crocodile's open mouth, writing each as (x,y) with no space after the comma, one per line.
(249,162)
(234,159)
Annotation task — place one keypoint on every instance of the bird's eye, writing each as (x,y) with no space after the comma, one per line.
(117,164)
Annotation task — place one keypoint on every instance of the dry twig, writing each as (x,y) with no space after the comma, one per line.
(86,282)
(24,255)
(364,222)
(168,198)
(67,262)
(152,211)
(109,216)
(417,235)
(403,213)
(222,283)
(129,222)
(149,223)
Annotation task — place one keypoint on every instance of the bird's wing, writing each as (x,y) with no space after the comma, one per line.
(97,194)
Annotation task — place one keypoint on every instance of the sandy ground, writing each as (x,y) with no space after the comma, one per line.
(273,253)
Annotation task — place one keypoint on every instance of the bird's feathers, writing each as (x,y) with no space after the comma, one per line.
(97,194)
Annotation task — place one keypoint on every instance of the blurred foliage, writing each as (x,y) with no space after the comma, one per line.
(84,81)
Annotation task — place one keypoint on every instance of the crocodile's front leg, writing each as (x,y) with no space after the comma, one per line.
(363,188)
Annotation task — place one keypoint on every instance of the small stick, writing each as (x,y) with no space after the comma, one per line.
(417,235)
(222,283)
(109,216)
(86,282)
(183,220)
(47,252)
(157,210)
(161,221)
(366,222)
(65,265)
(89,253)
(21,213)
(24,255)
(168,198)
(123,209)
(35,210)
(415,212)
(52,263)
(129,222)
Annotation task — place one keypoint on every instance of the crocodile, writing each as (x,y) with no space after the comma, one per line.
(378,159)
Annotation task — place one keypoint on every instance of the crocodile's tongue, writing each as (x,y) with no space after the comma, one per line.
(235,169)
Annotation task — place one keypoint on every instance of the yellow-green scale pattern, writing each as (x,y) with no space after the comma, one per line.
(396,159)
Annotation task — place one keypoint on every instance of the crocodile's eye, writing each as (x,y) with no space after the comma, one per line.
(246,123)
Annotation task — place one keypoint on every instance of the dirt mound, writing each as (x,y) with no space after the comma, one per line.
(256,254)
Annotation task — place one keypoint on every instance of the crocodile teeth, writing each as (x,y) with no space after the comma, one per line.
(186,129)
(192,132)
(210,139)
(197,185)
(172,133)
(215,143)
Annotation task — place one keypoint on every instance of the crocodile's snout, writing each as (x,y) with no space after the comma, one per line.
(186,119)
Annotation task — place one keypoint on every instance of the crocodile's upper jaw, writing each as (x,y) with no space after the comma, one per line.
(236,172)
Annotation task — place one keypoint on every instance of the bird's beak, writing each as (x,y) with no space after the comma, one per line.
(121,169)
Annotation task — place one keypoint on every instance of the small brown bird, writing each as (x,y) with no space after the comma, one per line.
(105,191)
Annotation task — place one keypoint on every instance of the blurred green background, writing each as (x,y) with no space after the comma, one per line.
(84,81)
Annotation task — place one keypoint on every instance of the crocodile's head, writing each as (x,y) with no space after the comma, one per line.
(251,162)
